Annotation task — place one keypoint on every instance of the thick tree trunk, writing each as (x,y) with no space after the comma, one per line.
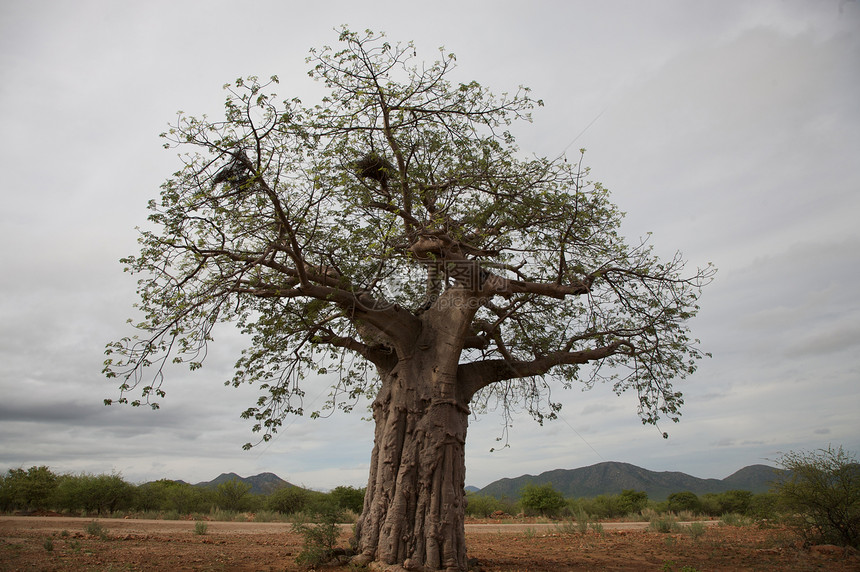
(415,502)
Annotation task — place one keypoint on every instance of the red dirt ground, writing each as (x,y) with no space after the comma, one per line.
(172,545)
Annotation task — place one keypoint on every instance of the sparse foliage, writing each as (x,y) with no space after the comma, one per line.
(95,528)
(821,493)
(320,537)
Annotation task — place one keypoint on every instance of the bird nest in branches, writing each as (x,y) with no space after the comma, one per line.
(374,166)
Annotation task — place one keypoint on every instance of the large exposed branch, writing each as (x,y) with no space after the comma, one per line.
(473,376)
(504,286)
(376,354)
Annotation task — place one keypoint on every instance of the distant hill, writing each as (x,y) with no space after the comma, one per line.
(262,484)
(613,477)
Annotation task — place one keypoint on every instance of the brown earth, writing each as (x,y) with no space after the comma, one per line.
(61,543)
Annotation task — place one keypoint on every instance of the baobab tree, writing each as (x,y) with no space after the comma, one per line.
(395,234)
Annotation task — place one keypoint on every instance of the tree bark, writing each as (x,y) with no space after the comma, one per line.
(415,501)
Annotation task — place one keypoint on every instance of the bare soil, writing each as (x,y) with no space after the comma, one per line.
(61,543)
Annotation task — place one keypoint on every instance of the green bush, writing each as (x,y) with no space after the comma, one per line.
(735,501)
(632,502)
(763,506)
(734,519)
(232,495)
(696,530)
(186,499)
(267,516)
(169,496)
(684,501)
(320,537)
(348,498)
(607,506)
(541,499)
(100,494)
(319,503)
(821,493)
(32,489)
(664,524)
(201,527)
(94,528)
(288,500)
(482,506)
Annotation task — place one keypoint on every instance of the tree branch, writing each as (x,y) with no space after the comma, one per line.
(476,375)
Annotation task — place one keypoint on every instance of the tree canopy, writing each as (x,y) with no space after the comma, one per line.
(327,232)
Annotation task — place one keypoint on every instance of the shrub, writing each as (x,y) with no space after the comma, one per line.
(632,502)
(288,500)
(348,498)
(607,506)
(232,495)
(482,506)
(320,538)
(572,526)
(821,492)
(567,527)
(94,528)
(664,524)
(734,519)
(542,499)
(582,521)
(763,506)
(696,530)
(221,515)
(102,494)
(684,501)
(201,528)
(735,501)
(267,516)
(172,496)
(30,489)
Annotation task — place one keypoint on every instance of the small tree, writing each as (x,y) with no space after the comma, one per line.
(821,494)
(232,495)
(320,536)
(34,488)
(7,492)
(482,506)
(632,501)
(182,497)
(348,498)
(288,500)
(395,234)
(684,501)
(542,499)
(151,496)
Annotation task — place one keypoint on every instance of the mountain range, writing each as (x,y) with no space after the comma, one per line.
(603,478)
(613,477)
(262,484)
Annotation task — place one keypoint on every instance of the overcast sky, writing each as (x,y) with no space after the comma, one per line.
(730,129)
